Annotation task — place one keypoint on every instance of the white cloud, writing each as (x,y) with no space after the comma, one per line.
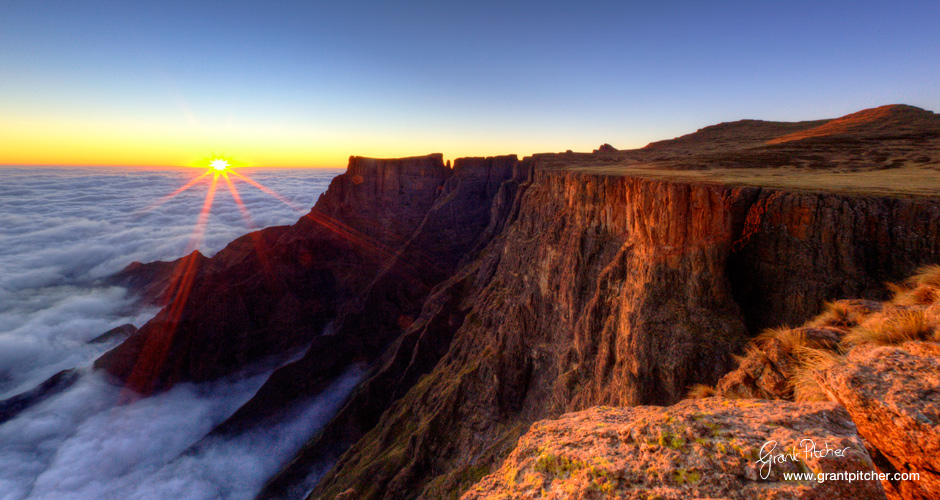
(85,445)
(62,229)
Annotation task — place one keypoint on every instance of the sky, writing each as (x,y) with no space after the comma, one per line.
(309,83)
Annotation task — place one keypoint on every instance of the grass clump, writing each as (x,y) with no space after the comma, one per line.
(788,338)
(701,391)
(923,288)
(896,327)
(811,364)
(839,314)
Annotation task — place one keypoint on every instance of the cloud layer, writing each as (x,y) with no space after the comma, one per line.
(60,231)
(84,445)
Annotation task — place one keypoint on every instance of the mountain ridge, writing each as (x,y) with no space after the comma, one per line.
(502,291)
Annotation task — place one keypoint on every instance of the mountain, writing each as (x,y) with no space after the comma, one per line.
(500,292)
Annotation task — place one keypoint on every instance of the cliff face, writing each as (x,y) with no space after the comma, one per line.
(366,325)
(617,291)
(806,248)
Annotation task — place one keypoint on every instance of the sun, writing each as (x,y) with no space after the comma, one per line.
(219,164)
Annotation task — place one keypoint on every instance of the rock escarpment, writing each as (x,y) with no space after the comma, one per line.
(365,326)
(502,292)
(612,290)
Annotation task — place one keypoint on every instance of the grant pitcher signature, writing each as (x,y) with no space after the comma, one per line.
(807,449)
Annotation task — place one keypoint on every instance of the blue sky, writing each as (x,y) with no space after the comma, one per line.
(297,83)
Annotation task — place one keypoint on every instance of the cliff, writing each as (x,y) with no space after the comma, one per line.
(501,292)
(617,290)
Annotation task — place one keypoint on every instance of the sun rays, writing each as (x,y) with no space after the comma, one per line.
(183,278)
(220,168)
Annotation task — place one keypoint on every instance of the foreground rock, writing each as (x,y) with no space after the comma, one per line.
(706,448)
(893,395)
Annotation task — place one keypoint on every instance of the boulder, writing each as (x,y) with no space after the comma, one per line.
(893,394)
(707,448)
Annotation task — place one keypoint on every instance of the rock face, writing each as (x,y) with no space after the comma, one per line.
(452,227)
(893,395)
(797,250)
(609,290)
(710,448)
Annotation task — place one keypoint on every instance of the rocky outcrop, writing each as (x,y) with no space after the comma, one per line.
(893,394)
(151,282)
(56,384)
(710,448)
(366,325)
(275,290)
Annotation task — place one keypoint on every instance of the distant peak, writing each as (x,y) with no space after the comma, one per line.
(890,119)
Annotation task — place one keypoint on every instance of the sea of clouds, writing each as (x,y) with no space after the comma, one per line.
(61,231)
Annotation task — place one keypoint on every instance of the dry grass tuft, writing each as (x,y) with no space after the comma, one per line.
(788,338)
(920,289)
(701,391)
(811,364)
(839,315)
(919,295)
(926,276)
(896,327)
